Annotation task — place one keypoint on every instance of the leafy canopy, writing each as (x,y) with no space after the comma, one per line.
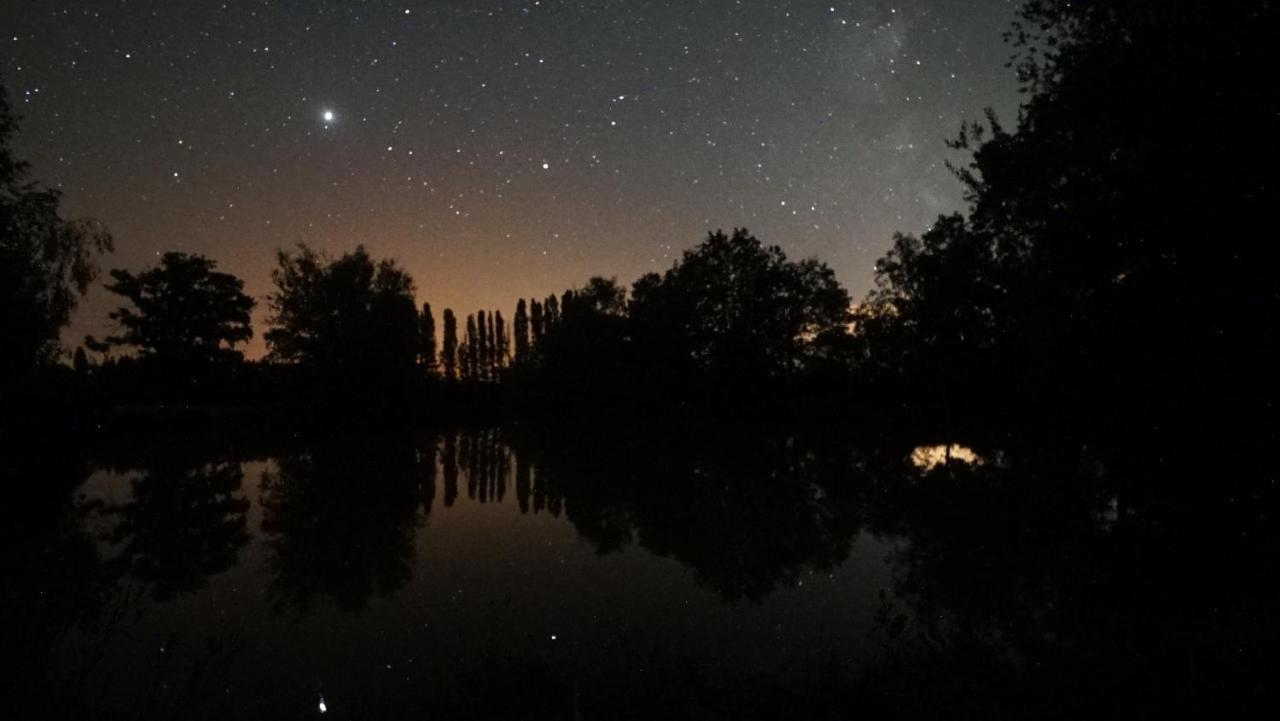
(346,313)
(734,305)
(46,262)
(183,310)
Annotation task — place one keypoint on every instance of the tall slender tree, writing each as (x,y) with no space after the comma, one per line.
(427,340)
(537,322)
(521,328)
(550,313)
(503,343)
(473,349)
(482,346)
(491,366)
(449,350)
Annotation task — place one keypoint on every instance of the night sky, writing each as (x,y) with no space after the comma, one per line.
(499,149)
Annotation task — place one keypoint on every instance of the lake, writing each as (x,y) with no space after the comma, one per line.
(514,573)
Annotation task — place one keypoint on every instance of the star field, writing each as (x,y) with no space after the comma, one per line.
(500,150)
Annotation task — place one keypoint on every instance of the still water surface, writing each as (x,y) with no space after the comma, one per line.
(522,574)
(456,569)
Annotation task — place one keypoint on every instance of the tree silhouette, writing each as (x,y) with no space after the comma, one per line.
(550,313)
(449,349)
(182,524)
(348,316)
(520,327)
(536,320)
(502,347)
(600,295)
(427,340)
(80,361)
(482,346)
(1106,254)
(492,350)
(734,308)
(469,368)
(340,522)
(45,262)
(183,312)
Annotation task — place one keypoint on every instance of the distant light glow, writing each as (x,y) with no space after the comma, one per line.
(323,707)
(928,457)
(328,116)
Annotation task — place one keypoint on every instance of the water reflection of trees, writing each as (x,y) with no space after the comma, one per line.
(182,524)
(747,514)
(1066,583)
(340,519)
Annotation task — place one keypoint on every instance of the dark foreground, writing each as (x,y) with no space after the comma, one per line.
(525,573)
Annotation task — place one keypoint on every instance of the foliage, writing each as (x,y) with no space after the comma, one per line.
(349,315)
(45,262)
(1110,248)
(183,312)
(733,307)
(427,340)
(449,349)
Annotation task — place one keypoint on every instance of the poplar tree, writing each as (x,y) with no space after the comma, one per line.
(473,349)
(449,352)
(502,346)
(536,322)
(491,359)
(521,328)
(482,346)
(551,313)
(427,340)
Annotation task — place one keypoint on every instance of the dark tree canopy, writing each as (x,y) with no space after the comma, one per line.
(46,262)
(1112,246)
(733,306)
(183,311)
(349,314)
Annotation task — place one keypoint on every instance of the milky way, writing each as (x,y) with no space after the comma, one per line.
(500,149)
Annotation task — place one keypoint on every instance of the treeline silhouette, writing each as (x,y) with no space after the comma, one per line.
(1109,256)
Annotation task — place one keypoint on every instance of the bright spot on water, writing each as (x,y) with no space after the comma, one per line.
(323,708)
(927,457)
(328,116)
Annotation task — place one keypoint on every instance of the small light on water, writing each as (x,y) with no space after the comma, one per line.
(927,457)
(323,708)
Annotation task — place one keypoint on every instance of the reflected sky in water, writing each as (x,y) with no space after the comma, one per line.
(534,573)
(390,575)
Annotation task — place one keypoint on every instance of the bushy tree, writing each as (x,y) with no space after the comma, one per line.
(182,311)
(349,315)
(1111,246)
(46,262)
(733,307)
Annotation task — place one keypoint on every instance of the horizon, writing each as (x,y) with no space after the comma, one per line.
(501,153)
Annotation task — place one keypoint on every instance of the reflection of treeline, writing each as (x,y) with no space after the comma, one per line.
(1028,575)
